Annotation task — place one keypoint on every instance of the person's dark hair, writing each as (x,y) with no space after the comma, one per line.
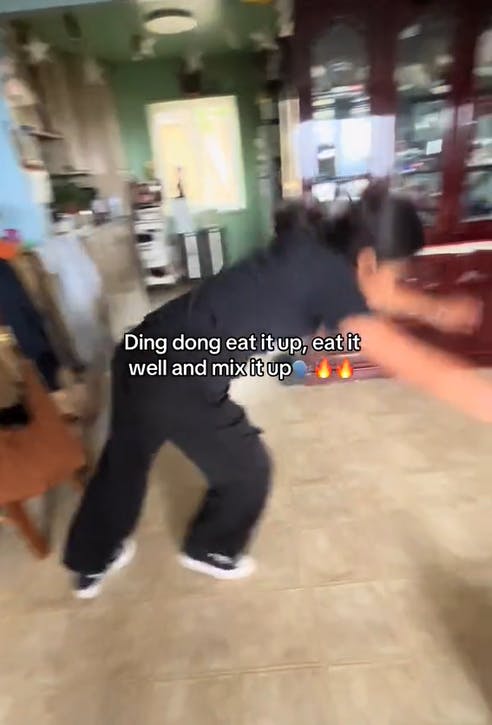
(293,215)
(387,222)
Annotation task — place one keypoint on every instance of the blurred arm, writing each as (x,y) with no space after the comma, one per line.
(440,375)
(404,302)
(448,313)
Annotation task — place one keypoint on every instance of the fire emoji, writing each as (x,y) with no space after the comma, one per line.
(323,369)
(345,370)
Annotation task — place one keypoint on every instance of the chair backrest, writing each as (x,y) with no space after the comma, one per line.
(40,286)
(41,454)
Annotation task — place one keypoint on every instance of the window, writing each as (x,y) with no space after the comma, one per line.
(197,149)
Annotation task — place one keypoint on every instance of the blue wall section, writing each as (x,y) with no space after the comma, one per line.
(17,208)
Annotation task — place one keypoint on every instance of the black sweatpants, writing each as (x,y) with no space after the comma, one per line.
(213,432)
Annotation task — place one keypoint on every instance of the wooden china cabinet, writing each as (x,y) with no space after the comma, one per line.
(403,88)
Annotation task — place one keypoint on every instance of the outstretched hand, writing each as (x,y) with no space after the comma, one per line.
(459,314)
(405,357)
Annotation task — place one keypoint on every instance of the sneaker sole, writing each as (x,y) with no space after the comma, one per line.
(123,560)
(90,592)
(245,568)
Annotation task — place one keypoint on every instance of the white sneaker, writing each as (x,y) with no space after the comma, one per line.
(220,566)
(89,586)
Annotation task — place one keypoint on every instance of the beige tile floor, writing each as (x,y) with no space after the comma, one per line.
(372,604)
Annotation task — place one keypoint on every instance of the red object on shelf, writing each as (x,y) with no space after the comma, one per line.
(9,244)
(8,250)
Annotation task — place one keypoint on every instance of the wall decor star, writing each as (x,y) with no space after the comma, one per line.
(285,18)
(93,73)
(194,62)
(37,51)
(147,47)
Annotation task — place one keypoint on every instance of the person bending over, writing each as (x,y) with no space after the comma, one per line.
(337,274)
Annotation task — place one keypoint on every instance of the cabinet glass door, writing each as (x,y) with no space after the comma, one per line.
(477,195)
(336,158)
(423,115)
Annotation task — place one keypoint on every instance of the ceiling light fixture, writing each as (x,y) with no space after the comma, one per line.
(170,22)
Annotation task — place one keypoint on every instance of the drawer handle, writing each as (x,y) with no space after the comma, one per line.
(471,276)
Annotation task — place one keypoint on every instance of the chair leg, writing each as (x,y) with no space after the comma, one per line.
(18,516)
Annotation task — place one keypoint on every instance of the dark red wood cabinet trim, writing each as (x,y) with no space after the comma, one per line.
(379,23)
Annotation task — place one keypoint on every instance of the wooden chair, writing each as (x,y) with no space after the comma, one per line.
(34,458)
(44,292)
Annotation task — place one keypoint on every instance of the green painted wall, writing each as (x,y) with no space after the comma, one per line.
(29,6)
(137,84)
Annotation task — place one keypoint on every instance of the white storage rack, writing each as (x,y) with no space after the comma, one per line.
(157,253)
